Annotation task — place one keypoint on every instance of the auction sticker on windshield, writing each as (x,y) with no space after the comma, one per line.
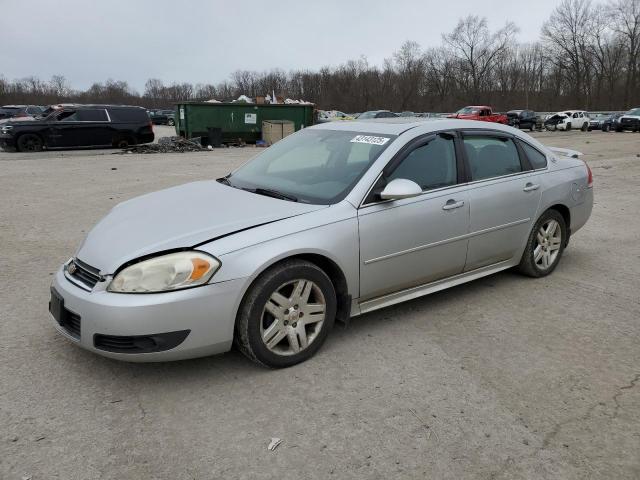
(369,139)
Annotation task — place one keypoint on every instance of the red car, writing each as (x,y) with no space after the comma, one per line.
(482,113)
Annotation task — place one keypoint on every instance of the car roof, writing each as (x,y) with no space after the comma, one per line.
(399,125)
(91,105)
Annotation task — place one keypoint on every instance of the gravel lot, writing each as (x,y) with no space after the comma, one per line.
(503,378)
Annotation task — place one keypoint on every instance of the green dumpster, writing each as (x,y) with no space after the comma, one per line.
(237,121)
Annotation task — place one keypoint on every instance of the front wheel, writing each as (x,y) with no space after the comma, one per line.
(286,315)
(545,245)
(568,129)
(171,122)
(30,143)
(585,126)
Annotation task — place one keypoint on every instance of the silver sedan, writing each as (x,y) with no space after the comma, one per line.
(334,221)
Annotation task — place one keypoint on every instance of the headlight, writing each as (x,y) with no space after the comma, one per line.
(165,273)
(6,129)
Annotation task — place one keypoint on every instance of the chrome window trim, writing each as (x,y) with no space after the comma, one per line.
(108,120)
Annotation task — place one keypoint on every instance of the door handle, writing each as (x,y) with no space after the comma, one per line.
(452,204)
(530,187)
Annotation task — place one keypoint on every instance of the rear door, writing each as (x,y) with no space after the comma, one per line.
(413,241)
(504,193)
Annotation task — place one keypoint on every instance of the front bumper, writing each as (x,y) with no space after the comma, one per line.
(7,141)
(208,312)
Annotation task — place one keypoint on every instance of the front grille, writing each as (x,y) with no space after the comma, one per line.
(71,323)
(85,274)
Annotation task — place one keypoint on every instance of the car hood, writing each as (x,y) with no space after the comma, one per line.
(179,217)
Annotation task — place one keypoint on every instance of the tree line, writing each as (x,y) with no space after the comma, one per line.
(588,56)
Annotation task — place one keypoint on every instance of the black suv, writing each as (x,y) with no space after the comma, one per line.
(163,117)
(79,126)
(523,119)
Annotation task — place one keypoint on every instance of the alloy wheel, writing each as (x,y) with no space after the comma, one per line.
(549,241)
(292,317)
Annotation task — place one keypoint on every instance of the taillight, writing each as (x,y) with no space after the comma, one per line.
(589,175)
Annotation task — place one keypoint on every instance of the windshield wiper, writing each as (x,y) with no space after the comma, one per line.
(274,193)
(224,180)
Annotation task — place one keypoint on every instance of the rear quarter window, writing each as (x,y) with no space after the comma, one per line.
(536,158)
(97,115)
(128,115)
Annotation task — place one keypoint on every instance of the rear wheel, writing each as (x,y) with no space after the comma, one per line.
(30,142)
(123,142)
(171,122)
(545,245)
(286,315)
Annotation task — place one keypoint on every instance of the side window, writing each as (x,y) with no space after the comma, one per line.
(576,115)
(536,158)
(491,156)
(93,115)
(431,166)
(67,117)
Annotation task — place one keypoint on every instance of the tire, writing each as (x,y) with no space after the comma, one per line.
(542,253)
(619,130)
(605,128)
(585,127)
(171,122)
(532,127)
(30,142)
(274,335)
(568,129)
(123,142)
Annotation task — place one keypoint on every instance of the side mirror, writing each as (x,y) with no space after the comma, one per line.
(400,188)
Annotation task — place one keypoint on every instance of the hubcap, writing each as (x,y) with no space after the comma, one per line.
(292,317)
(549,240)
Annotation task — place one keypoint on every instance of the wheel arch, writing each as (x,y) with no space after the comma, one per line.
(566,215)
(328,266)
(36,134)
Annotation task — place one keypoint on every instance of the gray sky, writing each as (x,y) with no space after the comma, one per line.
(203,41)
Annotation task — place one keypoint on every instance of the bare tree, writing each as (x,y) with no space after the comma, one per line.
(477,50)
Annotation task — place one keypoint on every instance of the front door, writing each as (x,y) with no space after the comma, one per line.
(504,195)
(413,241)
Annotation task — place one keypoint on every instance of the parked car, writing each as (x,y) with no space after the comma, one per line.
(482,113)
(13,111)
(377,114)
(629,121)
(597,121)
(163,117)
(611,122)
(259,258)
(331,116)
(407,114)
(568,120)
(79,126)
(525,119)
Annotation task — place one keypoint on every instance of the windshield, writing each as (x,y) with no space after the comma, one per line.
(365,115)
(635,111)
(311,166)
(468,111)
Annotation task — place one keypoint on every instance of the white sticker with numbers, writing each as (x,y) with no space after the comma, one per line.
(369,139)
